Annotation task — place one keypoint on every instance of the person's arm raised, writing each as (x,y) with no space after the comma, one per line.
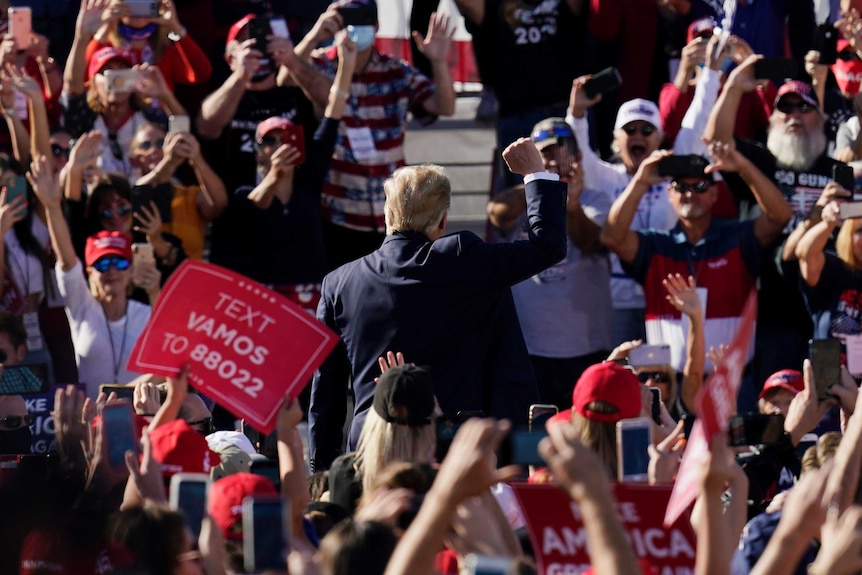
(291,467)
(722,121)
(435,46)
(219,108)
(809,250)
(617,234)
(683,296)
(47,189)
(832,191)
(92,15)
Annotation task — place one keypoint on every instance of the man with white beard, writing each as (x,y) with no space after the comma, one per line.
(795,158)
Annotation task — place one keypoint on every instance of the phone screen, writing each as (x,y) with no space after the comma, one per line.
(635,454)
(193,502)
(826,363)
(521,447)
(119,431)
(268,469)
(264,541)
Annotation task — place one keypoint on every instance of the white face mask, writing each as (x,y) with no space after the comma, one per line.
(362,35)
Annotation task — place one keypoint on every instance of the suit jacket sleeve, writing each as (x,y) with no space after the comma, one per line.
(505,264)
(328,405)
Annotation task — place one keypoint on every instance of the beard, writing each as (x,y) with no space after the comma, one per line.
(795,150)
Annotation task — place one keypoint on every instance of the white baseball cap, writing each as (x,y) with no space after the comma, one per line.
(638,109)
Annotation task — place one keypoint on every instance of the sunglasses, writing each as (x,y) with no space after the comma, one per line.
(147,145)
(697,188)
(653,377)
(789,108)
(847,55)
(57,150)
(104,264)
(645,130)
(119,212)
(17,421)
(206,424)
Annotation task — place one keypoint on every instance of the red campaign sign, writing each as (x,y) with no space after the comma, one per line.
(560,542)
(247,345)
(714,405)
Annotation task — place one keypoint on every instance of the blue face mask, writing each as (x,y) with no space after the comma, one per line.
(362,35)
(726,64)
(136,34)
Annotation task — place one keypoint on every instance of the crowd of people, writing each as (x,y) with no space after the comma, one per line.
(633,215)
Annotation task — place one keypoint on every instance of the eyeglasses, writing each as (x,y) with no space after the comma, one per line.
(147,145)
(653,377)
(57,150)
(206,425)
(104,264)
(17,421)
(697,188)
(555,132)
(119,212)
(268,141)
(645,130)
(789,108)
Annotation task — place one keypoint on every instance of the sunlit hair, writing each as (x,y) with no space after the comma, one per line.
(795,151)
(381,443)
(844,244)
(599,436)
(414,476)
(416,198)
(136,101)
(356,547)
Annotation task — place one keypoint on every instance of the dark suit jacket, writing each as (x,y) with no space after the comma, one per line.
(447,305)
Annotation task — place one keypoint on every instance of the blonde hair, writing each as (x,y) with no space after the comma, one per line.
(844,245)
(381,443)
(416,198)
(599,436)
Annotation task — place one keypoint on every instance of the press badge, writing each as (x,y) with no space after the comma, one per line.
(362,143)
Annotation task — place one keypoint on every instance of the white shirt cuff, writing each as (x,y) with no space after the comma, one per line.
(541,176)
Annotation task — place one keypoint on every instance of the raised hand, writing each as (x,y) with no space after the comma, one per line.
(152,82)
(435,46)
(725,158)
(94,13)
(23,82)
(523,157)
(44,181)
(11,213)
(150,222)
(347,51)
(742,78)
(683,295)
(579,101)
(146,398)
(284,159)
(169,18)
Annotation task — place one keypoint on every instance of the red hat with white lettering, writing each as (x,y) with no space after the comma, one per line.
(801,89)
(788,379)
(609,383)
(107,243)
(225,500)
(238,26)
(180,449)
(701,27)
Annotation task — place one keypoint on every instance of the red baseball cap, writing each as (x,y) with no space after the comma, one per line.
(180,449)
(788,379)
(238,26)
(107,243)
(104,55)
(564,416)
(270,124)
(801,89)
(699,27)
(611,383)
(226,495)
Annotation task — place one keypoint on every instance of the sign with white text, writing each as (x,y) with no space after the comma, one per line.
(559,540)
(247,345)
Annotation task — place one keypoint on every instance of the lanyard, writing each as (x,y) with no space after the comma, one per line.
(117,359)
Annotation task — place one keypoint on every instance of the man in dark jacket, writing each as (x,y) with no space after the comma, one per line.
(444,301)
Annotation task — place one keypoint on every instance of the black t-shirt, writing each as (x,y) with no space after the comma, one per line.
(836,301)
(780,303)
(232,155)
(838,110)
(540,46)
(284,243)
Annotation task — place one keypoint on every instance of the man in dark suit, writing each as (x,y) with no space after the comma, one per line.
(444,301)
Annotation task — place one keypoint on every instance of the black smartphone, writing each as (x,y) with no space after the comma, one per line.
(685,166)
(521,447)
(777,69)
(603,82)
(539,413)
(258,30)
(120,391)
(655,408)
(825,355)
(827,43)
(755,429)
(268,469)
(842,174)
(189,492)
(447,426)
(264,537)
(358,15)
(688,418)
(162,195)
(119,432)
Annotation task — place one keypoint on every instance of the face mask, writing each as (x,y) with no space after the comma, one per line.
(848,75)
(136,34)
(362,35)
(15,441)
(725,64)
(264,71)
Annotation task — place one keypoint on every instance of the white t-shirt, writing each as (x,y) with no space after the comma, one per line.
(101,346)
